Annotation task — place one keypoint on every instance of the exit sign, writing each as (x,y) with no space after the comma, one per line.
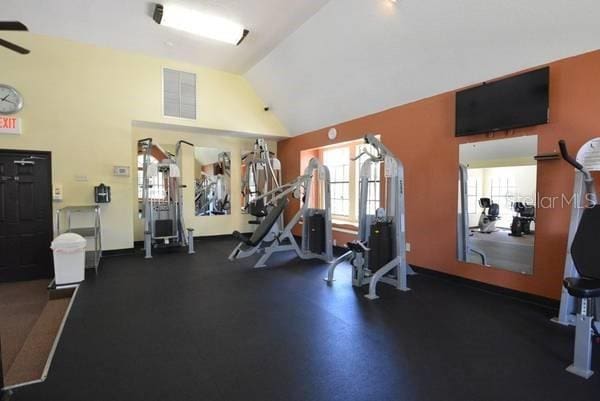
(10,125)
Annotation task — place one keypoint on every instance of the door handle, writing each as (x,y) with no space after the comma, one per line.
(24,162)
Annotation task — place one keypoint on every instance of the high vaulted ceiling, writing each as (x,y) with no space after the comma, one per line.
(317,63)
(127,25)
(357,57)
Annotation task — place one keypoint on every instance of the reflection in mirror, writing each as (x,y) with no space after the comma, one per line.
(213,181)
(261,174)
(497,203)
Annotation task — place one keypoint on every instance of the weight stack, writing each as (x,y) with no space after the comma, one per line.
(316,232)
(381,245)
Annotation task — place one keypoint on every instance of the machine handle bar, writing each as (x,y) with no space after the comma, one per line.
(568,158)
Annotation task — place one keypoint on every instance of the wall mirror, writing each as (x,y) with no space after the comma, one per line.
(261,174)
(213,181)
(497,203)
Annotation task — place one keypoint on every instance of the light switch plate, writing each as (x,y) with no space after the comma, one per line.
(121,171)
(57,193)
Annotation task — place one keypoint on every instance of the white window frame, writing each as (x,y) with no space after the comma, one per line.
(348,182)
(374,197)
(354,148)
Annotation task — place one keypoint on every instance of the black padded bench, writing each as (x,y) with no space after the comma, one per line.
(265,226)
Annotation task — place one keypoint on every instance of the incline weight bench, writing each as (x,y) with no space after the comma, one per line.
(249,245)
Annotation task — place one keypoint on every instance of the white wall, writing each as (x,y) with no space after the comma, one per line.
(358,57)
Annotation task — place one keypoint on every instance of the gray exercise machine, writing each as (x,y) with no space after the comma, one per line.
(261,175)
(463,229)
(316,243)
(212,197)
(379,253)
(162,200)
(580,301)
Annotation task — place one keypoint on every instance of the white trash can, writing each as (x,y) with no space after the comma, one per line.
(69,258)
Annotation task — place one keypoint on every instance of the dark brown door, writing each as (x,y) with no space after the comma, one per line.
(25,215)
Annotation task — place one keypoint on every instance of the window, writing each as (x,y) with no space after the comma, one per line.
(374,197)
(473,194)
(345,179)
(157,191)
(338,162)
(503,192)
(179,94)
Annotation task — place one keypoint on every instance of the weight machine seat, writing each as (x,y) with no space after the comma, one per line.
(265,226)
(525,211)
(585,252)
(258,208)
(353,246)
(582,287)
(493,209)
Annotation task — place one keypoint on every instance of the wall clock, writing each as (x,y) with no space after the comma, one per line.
(11,100)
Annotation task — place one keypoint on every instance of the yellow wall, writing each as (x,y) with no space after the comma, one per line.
(80,102)
(203,226)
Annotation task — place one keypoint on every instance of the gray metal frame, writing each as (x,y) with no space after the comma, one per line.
(398,266)
(172,206)
(574,312)
(93,232)
(583,187)
(263,169)
(463,230)
(284,240)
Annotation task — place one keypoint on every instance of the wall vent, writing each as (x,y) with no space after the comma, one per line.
(179,94)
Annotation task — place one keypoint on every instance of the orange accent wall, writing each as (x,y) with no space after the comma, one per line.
(421,134)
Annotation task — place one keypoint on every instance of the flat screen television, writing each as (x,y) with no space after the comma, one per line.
(515,102)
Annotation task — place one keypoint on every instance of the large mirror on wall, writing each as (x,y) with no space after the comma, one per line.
(213,181)
(497,203)
(261,174)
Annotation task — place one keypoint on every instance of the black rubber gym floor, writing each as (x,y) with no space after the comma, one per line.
(198,327)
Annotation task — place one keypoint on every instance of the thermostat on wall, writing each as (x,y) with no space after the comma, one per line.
(121,171)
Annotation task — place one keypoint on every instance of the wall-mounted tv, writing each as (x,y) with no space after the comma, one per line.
(515,102)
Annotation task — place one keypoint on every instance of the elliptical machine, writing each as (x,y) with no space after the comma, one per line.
(580,301)
(521,223)
(489,215)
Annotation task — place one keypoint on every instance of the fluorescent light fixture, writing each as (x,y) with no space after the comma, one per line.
(200,24)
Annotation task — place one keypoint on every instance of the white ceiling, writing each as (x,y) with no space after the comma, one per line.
(206,156)
(127,25)
(488,152)
(357,57)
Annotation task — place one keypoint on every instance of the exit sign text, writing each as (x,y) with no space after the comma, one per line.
(10,125)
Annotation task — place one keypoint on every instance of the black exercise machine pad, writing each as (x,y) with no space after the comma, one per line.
(265,226)
(585,249)
(585,252)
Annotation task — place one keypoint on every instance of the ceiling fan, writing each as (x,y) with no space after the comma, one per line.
(13,26)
